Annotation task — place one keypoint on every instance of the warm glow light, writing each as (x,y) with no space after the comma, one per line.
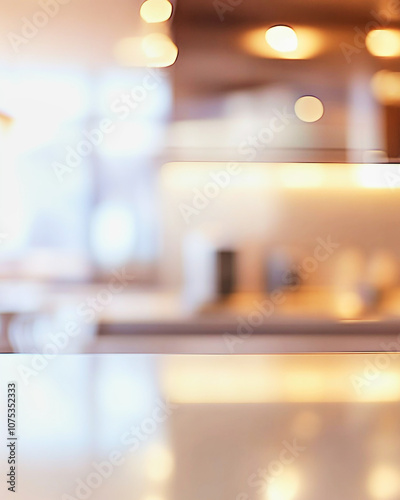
(5,120)
(155,11)
(309,109)
(177,176)
(386,387)
(386,87)
(282,38)
(251,379)
(155,50)
(309,42)
(348,305)
(307,176)
(384,482)
(371,176)
(278,176)
(129,52)
(160,50)
(285,486)
(159,463)
(384,43)
(153,497)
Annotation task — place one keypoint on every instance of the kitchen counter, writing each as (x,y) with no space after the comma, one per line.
(150,320)
(147,427)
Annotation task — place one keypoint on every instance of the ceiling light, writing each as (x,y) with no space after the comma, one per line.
(156,11)
(383,43)
(282,38)
(283,42)
(309,109)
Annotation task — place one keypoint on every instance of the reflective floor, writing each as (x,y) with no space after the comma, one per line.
(163,427)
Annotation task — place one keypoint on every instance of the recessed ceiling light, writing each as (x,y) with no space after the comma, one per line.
(308,42)
(309,109)
(156,11)
(282,38)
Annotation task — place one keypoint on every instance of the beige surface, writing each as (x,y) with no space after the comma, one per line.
(228,418)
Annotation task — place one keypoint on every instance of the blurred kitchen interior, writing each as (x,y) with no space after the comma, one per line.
(201,176)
